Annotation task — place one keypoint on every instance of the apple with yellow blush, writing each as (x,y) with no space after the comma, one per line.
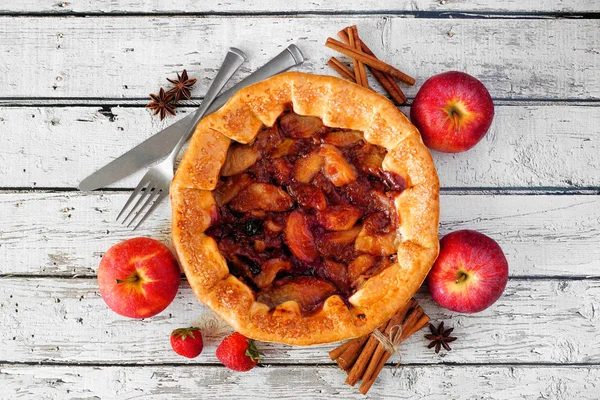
(470,272)
(453,111)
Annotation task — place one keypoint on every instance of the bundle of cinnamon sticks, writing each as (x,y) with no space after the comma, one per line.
(363,358)
(361,55)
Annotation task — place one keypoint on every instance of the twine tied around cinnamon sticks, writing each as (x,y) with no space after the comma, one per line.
(390,343)
(363,358)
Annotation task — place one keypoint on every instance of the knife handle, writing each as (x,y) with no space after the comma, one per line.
(288,58)
(233,60)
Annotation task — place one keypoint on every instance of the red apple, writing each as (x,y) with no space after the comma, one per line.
(138,278)
(453,111)
(470,273)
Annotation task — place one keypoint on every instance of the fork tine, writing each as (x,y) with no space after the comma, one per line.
(159,200)
(134,210)
(141,211)
(138,188)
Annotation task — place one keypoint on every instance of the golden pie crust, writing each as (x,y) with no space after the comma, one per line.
(339,104)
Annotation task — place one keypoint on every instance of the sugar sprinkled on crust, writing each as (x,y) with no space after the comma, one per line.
(340,104)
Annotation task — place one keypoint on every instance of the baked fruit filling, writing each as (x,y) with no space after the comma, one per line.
(305,212)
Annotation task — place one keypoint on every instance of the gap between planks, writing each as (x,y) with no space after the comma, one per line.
(182,7)
(458,14)
(190,105)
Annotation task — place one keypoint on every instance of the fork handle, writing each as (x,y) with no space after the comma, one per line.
(233,60)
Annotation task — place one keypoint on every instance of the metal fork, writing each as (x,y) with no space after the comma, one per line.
(154,186)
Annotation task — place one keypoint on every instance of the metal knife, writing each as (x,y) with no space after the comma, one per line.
(160,144)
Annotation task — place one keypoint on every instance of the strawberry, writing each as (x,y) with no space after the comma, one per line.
(238,353)
(187,342)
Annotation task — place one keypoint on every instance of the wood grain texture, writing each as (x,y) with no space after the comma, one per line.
(317,383)
(66,321)
(120,57)
(527,146)
(295,6)
(67,233)
(538,341)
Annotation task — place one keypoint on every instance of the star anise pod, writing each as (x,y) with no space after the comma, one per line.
(440,337)
(183,86)
(162,104)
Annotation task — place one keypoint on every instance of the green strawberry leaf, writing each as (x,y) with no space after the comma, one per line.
(252,352)
(183,333)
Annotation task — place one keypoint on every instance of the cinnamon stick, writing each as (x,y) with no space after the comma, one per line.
(423,321)
(368,382)
(395,323)
(341,69)
(411,321)
(404,325)
(358,369)
(347,359)
(390,86)
(363,358)
(369,60)
(360,72)
(335,353)
(388,83)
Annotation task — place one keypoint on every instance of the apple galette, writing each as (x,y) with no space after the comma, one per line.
(305,210)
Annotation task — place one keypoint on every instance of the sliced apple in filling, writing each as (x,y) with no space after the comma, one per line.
(339,171)
(283,149)
(269,271)
(300,126)
(230,188)
(370,159)
(359,266)
(339,218)
(336,273)
(308,196)
(307,167)
(377,223)
(307,291)
(342,138)
(338,245)
(240,157)
(299,238)
(376,244)
(263,197)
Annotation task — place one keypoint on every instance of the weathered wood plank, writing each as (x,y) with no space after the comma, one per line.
(295,6)
(67,233)
(131,56)
(318,383)
(527,146)
(58,320)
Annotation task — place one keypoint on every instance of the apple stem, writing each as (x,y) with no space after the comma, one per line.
(132,278)
(454,115)
(461,278)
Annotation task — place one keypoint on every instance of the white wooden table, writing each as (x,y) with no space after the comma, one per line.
(74,77)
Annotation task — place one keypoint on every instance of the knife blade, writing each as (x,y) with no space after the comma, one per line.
(160,144)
